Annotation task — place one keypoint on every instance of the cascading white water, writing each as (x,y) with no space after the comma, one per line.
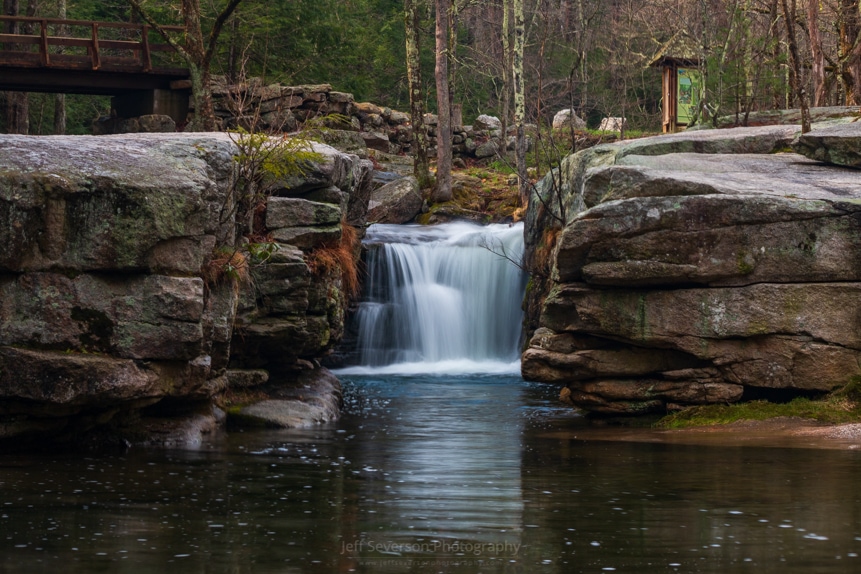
(441,299)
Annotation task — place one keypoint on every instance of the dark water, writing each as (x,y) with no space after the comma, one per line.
(435,475)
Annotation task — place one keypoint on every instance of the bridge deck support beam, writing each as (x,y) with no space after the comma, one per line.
(171,103)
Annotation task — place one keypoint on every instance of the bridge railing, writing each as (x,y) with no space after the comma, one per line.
(79,44)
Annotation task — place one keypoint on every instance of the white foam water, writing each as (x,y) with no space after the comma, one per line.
(444,299)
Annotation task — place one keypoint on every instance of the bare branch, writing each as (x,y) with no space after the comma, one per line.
(216,30)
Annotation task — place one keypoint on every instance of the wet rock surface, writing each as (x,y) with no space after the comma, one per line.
(311,397)
(691,271)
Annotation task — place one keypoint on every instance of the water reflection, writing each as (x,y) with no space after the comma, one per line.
(695,509)
(435,475)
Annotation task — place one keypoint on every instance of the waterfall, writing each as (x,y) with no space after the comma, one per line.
(441,299)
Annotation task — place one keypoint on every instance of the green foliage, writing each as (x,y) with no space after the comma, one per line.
(262,163)
(315,129)
(571,59)
(262,252)
(852,390)
(503,167)
(358,46)
(232,271)
(263,159)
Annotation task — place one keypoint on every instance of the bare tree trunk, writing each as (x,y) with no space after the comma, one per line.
(850,49)
(412,21)
(789,16)
(745,100)
(443,148)
(520,100)
(60,99)
(819,91)
(17,110)
(582,55)
(721,71)
(506,64)
(855,65)
(17,113)
(204,115)
(451,53)
(774,28)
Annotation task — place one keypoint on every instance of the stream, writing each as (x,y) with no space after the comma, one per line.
(465,470)
(435,474)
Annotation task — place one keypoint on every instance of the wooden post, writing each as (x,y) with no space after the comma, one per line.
(97,63)
(43,43)
(669,105)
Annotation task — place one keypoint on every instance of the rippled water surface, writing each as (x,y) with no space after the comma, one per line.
(435,474)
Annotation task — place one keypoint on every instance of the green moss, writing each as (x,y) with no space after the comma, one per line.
(530,285)
(743,263)
(755,328)
(130,219)
(852,390)
(841,406)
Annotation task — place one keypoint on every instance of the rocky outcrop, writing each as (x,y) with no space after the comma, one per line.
(791,117)
(396,202)
(838,145)
(308,399)
(685,278)
(568,119)
(107,319)
(331,116)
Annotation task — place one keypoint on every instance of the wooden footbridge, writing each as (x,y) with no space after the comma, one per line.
(87,57)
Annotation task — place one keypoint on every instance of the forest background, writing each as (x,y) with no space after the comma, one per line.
(589,55)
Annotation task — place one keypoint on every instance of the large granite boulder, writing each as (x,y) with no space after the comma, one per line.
(347,141)
(313,396)
(112,203)
(303,223)
(838,144)
(683,278)
(293,315)
(108,302)
(566,119)
(345,172)
(487,123)
(689,218)
(560,196)
(396,202)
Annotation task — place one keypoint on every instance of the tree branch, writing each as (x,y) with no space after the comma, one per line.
(216,30)
(157,27)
